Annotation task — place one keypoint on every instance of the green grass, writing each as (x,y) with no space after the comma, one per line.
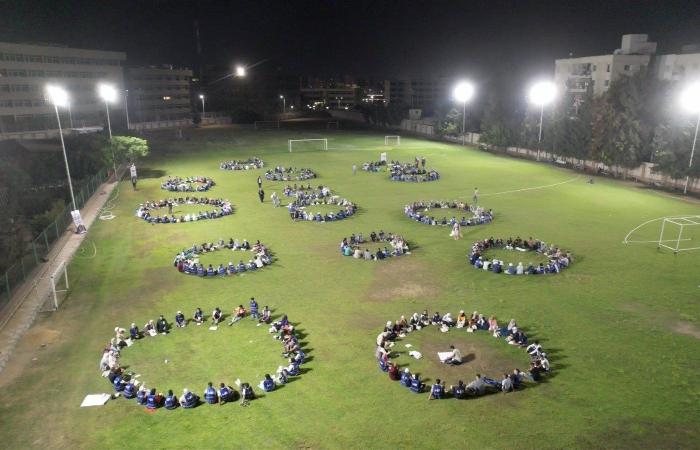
(621,325)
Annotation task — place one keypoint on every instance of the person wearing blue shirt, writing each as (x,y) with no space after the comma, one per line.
(241,267)
(141,396)
(180,320)
(200,270)
(247,392)
(134,332)
(152,400)
(268,384)
(188,399)
(460,391)
(210,271)
(170,400)
(221,270)
(210,395)
(406,378)
(282,378)
(198,316)
(118,384)
(231,268)
(129,390)
(437,391)
(416,385)
(225,394)
(254,308)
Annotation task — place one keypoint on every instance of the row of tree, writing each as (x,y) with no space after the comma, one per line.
(636,120)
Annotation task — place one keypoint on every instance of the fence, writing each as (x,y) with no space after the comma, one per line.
(39,248)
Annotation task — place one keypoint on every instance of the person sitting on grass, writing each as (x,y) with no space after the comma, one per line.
(238,314)
(129,390)
(162,325)
(461,319)
(188,399)
(198,316)
(247,393)
(210,395)
(406,378)
(459,391)
(266,315)
(153,400)
(226,394)
(437,391)
(149,329)
(216,316)
(477,387)
(141,395)
(171,400)
(134,332)
(416,386)
(394,373)
(437,319)
(506,383)
(180,320)
(455,357)
(267,384)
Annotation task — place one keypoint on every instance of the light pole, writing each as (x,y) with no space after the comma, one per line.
(541,94)
(70,115)
(690,100)
(284,104)
(463,92)
(109,95)
(59,97)
(201,97)
(126,108)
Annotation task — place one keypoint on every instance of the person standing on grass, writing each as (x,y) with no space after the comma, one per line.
(134,179)
(261,194)
(259,182)
(475,197)
(456,231)
(354,169)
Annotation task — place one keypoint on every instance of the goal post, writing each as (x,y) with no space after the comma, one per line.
(59,283)
(266,124)
(672,241)
(395,139)
(323,143)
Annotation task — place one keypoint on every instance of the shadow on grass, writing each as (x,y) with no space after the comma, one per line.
(150,173)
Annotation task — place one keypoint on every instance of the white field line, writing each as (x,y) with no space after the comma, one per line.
(627,240)
(531,188)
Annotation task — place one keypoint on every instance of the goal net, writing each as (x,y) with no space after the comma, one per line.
(58,289)
(392,140)
(680,234)
(308,144)
(266,124)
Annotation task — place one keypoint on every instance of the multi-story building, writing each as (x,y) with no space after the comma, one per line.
(679,67)
(425,94)
(575,75)
(159,93)
(26,69)
(340,97)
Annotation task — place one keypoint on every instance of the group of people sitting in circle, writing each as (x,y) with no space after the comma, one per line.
(374,166)
(304,198)
(240,164)
(420,212)
(189,184)
(412,171)
(222,208)
(558,259)
(397,246)
(187,261)
(281,173)
(539,363)
(126,384)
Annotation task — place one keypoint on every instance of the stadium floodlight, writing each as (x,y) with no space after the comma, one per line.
(201,97)
(542,93)
(240,71)
(59,97)
(109,95)
(284,104)
(463,92)
(690,101)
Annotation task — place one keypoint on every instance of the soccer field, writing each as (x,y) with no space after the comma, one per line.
(621,325)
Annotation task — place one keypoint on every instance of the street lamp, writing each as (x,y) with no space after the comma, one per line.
(463,92)
(541,94)
(690,100)
(201,97)
(284,104)
(126,108)
(59,97)
(109,95)
(240,71)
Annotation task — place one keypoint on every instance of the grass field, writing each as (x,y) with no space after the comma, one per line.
(621,325)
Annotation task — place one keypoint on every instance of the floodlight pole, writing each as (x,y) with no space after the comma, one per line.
(464,122)
(126,108)
(201,97)
(109,127)
(65,158)
(70,116)
(539,136)
(692,153)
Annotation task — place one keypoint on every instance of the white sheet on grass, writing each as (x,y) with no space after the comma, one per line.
(444,356)
(95,400)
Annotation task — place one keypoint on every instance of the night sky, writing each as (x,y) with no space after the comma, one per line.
(478,39)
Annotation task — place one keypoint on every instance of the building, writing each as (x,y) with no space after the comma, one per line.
(426,94)
(26,69)
(575,75)
(159,93)
(339,97)
(679,67)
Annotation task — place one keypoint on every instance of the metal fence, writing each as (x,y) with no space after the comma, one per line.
(39,248)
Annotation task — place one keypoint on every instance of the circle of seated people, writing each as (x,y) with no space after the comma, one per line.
(281,173)
(212,208)
(374,166)
(394,245)
(126,384)
(558,259)
(412,172)
(189,184)
(423,212)
(187,261)
(474,323)
(240,164)
(305,199)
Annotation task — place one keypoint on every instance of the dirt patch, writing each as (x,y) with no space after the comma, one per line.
(686,328)
(36,340)
(402,278)
(642,433)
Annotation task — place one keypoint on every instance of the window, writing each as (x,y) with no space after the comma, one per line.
(4,88)
(5,103)
(37,73)
(627,67)
(53,59)
(607,83)
(608,68)
(35,58)
(17,73)
(595,67)
(38,102)
(53,73)
(67,60)
(3,72)
(19,88)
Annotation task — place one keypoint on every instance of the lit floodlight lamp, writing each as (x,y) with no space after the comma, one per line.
(57,95)
(240,71)
(543,93)
(463,92)
(201,96)
(107,92)
(690,98)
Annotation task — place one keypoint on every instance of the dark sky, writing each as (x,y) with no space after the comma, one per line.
(479,39)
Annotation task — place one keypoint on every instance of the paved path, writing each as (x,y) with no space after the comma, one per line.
(20,312)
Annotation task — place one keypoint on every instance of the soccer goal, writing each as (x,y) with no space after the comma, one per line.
(688,228)
(59,287)
(333,125)
(304,144)
(395,139)
(266,124)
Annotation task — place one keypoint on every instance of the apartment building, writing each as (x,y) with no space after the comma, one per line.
(159,93)
(425,94)
(684,66)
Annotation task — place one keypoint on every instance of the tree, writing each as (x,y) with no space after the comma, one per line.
(495,129)
(451,123)
(125,148)
(672,143)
